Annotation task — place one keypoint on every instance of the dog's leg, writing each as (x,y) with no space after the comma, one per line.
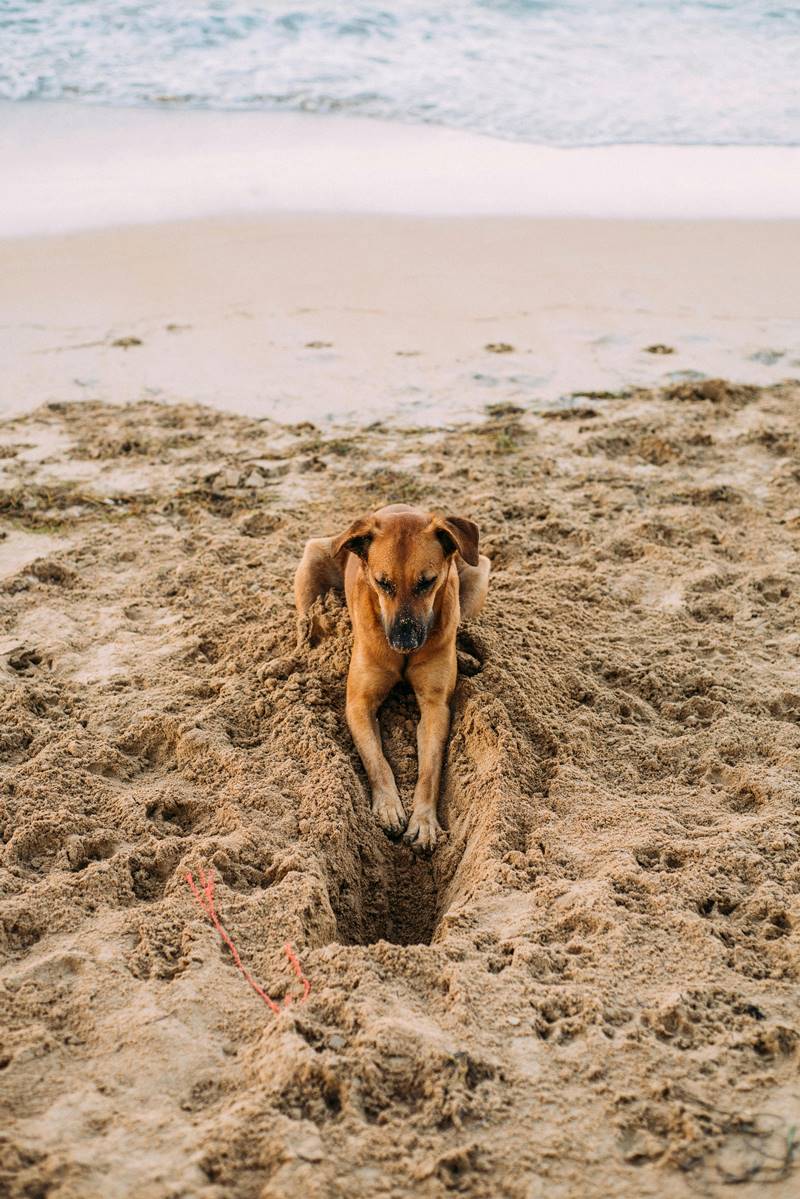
(473,583)
(433,684)
(367,687)
(318,571)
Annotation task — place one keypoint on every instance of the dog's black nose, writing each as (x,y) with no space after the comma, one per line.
(406,635)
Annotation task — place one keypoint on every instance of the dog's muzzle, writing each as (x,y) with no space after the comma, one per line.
(407,634)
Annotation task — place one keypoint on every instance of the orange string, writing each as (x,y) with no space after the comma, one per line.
(298,969)
(205,898)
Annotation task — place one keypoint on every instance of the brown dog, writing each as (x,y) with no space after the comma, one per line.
(409,578)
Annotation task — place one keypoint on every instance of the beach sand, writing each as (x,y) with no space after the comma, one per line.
(353,317)
(111,165)
(591,989)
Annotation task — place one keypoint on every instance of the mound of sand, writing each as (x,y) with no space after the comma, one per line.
(590,989)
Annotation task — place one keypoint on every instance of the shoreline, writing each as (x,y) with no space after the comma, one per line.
(326,318)
(204,163)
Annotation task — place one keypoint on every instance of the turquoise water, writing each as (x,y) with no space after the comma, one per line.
(569,72)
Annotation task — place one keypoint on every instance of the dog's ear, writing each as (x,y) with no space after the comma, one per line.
(458,533)
(356,539)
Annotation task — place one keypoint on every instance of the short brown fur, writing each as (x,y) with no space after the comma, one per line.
(409,578)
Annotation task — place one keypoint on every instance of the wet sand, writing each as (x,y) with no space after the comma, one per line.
(354,317)
(111,165)
(591,989)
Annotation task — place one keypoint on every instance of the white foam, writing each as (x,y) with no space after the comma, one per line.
(548,72)
(70,166)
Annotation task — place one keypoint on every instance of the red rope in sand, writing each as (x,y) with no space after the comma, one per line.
(205,898)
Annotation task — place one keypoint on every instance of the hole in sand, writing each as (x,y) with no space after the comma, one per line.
(386,892)
(394,898)
(382,890)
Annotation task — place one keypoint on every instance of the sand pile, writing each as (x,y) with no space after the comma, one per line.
(590,989)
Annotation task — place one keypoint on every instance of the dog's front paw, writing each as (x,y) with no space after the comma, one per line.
(422,832)
(389,813)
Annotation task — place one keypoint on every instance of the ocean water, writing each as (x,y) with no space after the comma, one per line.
(561,73)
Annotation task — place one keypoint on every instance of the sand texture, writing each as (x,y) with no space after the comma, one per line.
(591,989)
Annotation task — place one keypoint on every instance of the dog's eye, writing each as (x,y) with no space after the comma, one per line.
(425,584)
(386,585)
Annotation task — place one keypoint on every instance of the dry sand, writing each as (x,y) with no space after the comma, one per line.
(590,990)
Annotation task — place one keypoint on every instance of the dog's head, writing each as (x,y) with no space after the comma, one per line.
(406,558)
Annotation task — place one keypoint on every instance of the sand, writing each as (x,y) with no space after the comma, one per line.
(124,165)
(590,989)
(336,317)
